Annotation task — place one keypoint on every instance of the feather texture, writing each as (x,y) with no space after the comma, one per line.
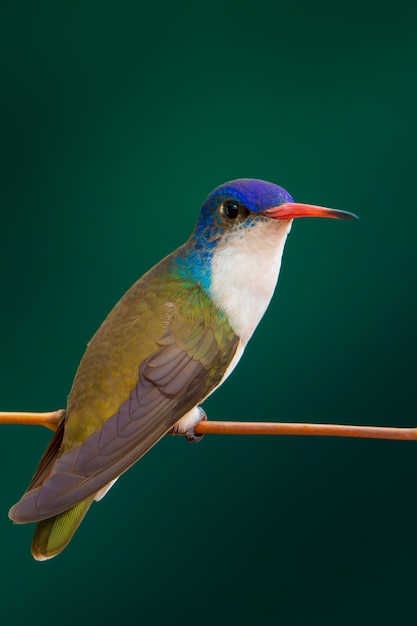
(191,352)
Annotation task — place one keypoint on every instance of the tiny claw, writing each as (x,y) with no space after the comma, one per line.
(192,436)
(190,433)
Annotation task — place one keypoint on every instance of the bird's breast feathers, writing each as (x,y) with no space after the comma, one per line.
(244,273)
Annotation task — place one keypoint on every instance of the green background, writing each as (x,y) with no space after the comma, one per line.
(116,120)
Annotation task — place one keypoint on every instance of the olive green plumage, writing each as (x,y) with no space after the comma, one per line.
(54,534)
(157,303)
(161,350)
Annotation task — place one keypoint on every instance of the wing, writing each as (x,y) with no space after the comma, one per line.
(171,381)
(48,458)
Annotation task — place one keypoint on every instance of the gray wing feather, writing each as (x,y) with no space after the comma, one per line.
(170,383)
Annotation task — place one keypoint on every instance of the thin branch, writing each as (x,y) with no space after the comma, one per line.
(49,420)
(307,430)
(52,419)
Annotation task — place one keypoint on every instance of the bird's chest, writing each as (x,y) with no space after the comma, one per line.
(244,276)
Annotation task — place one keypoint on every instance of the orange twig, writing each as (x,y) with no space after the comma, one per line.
(307,430)
(49,420)
(52,419)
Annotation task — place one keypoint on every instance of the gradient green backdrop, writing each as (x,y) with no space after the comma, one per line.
(117,119)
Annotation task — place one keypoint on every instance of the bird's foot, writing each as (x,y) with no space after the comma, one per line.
(187,424)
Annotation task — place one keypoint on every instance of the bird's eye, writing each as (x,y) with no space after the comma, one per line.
(230,209)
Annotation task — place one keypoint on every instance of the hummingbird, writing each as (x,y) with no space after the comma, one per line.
(172,339)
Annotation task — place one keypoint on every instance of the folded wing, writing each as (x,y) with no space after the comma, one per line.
(171,382)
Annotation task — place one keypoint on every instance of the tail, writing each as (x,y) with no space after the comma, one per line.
(54,534)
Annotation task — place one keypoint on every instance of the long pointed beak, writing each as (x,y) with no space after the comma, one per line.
(291,210)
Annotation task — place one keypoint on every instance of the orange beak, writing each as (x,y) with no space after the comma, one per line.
(291,210)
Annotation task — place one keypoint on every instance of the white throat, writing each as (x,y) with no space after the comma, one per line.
(245,270)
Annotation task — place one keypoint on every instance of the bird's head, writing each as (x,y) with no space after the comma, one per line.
(241,231)
(241,204)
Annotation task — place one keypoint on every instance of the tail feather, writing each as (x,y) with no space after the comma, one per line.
(52,535)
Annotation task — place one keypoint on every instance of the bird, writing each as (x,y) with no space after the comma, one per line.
(171,340)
